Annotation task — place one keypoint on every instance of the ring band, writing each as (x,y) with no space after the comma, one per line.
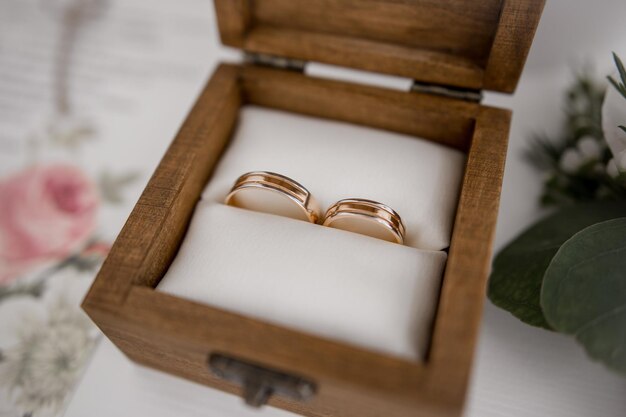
(366,217)
(273,193)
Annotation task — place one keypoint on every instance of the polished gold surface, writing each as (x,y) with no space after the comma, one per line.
(366,217)
(273,193)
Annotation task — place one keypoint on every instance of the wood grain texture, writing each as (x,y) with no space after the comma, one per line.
(182,334)
(233,19)
(463,28)
(516,30)
(435,66)
(467,269)
(149,240)
(463,43)
(177,335)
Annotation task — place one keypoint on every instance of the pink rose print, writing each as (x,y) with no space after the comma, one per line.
(46,213)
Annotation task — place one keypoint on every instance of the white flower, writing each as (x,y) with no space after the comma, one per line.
(589,148)
(614,115)
(571,161)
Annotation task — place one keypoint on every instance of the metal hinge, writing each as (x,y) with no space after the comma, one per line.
(447,91)
(298,65)
(274,61)
(259,383)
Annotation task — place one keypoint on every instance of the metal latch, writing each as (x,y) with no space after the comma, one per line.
(259,383)
(447,91)
(275,61)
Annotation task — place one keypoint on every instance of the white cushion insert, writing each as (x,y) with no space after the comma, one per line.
(340,285)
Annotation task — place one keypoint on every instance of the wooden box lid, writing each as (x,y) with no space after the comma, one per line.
(469,44)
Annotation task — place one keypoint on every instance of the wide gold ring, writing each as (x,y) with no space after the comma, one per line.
(273,193)
(366,217)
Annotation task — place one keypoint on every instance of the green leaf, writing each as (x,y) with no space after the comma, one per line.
(621,87)
(620,67)
(618,86)
(584,291)
(518,270)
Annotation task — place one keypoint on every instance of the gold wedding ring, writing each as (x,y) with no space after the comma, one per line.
(273,193)
(366,217)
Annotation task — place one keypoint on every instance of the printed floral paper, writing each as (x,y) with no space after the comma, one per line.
(94,89)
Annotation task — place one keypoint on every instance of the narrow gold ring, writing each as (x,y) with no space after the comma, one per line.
(366,217)
(273,193)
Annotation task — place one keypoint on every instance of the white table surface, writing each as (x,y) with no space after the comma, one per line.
(519,371)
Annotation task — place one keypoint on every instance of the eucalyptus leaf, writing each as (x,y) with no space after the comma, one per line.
(518,270)
(584,291)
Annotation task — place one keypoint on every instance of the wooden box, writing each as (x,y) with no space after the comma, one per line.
(453,49)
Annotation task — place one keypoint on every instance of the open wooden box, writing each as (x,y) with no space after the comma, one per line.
(453,49)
